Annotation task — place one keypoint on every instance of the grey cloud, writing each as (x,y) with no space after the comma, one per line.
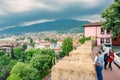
(64,11)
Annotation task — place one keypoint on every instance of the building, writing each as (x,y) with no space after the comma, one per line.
(102,36)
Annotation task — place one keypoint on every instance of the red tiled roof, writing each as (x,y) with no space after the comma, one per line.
(92,24)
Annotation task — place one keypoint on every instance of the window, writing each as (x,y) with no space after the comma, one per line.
(102,31)
(102,40)
(107,40)
(107,31)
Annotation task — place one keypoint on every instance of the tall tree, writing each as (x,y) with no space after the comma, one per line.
(12,53)
(67,46)
(32,43)
(24,47)
(112,18)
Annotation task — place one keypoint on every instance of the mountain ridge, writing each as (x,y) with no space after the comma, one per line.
(58,25)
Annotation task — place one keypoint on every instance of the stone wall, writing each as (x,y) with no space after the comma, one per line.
(77,66)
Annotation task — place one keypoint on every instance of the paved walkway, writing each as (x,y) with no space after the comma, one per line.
(108,74)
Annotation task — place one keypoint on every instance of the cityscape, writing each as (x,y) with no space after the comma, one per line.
(59,39)
(41,40)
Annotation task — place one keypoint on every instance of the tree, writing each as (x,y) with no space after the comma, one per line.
(67,46)
(6,64)
(41,53)
(19,53)
(47,39)
(41,62)
(12,53)
(24,47)
(53,40)
(14,77)
(32,43)
(50,52)
(24,72)
(2,53)
(112,18)
(29,55)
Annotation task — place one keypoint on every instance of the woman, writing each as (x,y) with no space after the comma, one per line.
(110,59)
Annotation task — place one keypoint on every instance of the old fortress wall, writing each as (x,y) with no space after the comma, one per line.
(77,66)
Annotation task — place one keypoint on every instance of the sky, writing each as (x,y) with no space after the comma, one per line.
(28,12)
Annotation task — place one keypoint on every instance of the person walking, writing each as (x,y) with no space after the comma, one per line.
(99,65)
(106,55)
(110,59)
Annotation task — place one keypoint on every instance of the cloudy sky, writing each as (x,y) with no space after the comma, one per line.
(27,12)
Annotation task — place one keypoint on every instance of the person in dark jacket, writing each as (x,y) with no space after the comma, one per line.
(106,54)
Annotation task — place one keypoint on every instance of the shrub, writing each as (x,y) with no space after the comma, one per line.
(82,40)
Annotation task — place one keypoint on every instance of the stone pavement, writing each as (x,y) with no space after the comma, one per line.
(108,74)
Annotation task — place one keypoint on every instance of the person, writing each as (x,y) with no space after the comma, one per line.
(106,54)
(110,59)
(99,59)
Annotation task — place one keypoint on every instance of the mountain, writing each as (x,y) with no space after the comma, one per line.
(62,25)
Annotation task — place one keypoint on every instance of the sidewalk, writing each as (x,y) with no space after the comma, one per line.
(108,74)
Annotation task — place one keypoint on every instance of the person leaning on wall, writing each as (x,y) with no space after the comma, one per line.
(99,59)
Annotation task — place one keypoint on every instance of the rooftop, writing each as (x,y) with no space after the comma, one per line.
(92,24)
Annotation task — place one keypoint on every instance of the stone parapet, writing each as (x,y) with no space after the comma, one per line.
(77,66)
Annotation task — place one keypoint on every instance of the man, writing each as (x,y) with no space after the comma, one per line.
(99,65)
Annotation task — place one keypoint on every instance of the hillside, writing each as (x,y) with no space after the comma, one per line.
(63,25)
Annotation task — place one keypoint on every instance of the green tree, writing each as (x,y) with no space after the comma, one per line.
(53,40)
(6,64)
(29,54)
(2,53)
(25,72)
(32,43)
(112,18)
(24,47)
(50,52)
(18,53)
(14,77)
(67,46)
(41,63)
(12,53)
(47,39)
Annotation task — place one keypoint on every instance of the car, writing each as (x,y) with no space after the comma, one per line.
(117,58)
(107,46)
